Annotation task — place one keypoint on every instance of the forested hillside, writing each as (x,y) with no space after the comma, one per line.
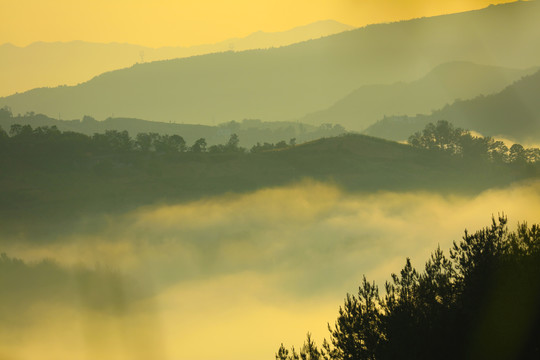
(67,175)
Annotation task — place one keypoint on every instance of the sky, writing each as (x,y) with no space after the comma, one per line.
(185,23)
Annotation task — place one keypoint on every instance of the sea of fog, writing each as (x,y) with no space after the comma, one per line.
(231,277)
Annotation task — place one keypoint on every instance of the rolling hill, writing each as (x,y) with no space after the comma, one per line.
(513,113)
(43,187)
(289,82)
(441,86)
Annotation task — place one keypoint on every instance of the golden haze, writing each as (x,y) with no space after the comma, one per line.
(185,23)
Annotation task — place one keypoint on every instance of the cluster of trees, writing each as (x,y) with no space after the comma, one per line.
(271,146)
(456,141)
(114,141)
(250,131)
(481,302)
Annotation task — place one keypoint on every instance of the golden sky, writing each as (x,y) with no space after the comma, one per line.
(190,22)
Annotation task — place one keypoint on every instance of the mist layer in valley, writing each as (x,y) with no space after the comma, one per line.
(240,272)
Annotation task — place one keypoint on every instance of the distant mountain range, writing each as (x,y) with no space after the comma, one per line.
(43,64)
(441,86)
(292,81)
(513,113)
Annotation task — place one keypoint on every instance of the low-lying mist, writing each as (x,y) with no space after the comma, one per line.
(229,277)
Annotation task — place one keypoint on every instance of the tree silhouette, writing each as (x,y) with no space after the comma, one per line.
(445,138)
(233,143)
(481,302)
(199,146)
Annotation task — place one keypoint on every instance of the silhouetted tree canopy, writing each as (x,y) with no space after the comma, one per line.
(199,146)
(232,146)
(456,141)
(481,302)
(267,146)
(248,130)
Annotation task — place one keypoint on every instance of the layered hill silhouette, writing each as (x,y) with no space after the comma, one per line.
(250,131)
(441,86)
(51,64)
(513,113)
(289,82)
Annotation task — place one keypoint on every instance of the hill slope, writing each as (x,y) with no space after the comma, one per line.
(288,82)
(442,85)
(45,186)
(51,64)
(513,113)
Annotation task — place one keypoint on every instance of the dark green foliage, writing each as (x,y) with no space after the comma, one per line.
(24,139)
(481,303)
(169,144)
(309,350)
(441,136)
(282,354)
(357,331)
(444,137)
(232,146)
(145,141)
(113,141)
(249,131)
(199,146)
(267,147)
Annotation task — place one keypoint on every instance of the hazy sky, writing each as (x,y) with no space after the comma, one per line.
(179,22)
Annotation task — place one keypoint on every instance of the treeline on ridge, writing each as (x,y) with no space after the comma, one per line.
(250,131)
(45,170)
(52,145)
(445,138)
(481,302)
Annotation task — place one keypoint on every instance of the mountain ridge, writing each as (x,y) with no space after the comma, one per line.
(442,85)
(73,62)
(289,82)
(513,113)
